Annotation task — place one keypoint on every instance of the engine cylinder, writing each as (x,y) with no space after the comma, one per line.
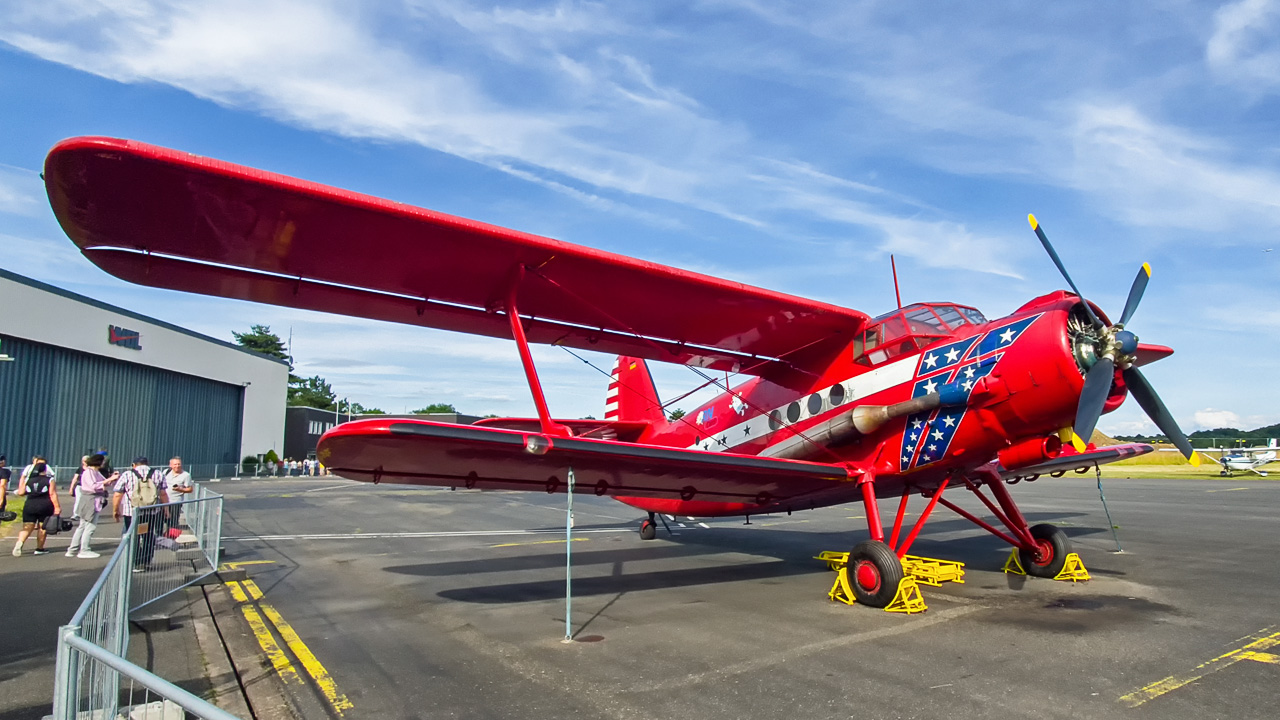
(1030,452)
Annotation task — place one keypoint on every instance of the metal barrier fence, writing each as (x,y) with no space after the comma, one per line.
(93,678)
(62,474)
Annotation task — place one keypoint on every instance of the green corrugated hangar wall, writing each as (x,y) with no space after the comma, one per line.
(62,403)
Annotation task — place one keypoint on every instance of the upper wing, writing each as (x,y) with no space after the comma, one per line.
(1076,461)
(175,220)
(427,453)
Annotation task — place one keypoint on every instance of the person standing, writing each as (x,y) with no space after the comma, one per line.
(180,486)
(137,491)
(91,499)
(42,503)
(5,474)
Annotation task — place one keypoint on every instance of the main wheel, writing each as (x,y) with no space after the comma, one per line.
(874,573)
(1052,548)
(648,530)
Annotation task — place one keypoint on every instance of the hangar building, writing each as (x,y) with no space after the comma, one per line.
(78,374)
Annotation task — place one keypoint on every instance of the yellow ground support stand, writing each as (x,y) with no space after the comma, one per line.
(1013,566)
(907,600)
(833,558)
(931,571)
(1073,570)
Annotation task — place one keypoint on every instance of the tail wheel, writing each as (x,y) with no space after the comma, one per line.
(1052,548)
(874,573)
(648,530)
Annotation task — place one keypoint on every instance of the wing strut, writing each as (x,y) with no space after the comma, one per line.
(550,427)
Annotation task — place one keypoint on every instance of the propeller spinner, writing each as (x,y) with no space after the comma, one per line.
(1102,349)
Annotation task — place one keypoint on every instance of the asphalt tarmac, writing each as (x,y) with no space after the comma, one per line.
(426,603)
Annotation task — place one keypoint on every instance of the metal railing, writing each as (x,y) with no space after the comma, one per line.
(92,675)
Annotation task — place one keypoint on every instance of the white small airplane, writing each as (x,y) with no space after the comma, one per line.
(1244,459)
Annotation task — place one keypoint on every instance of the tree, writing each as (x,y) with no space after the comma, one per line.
(261,339)
(312,392)
(675,415)
(358,409)
(436,408)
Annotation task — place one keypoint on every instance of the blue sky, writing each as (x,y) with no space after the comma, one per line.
(791,145)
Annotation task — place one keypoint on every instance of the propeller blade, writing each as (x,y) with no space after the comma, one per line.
(1159,414)
(1097,385)
(1053,254)
(1135,293)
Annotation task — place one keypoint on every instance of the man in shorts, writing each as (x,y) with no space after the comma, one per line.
(137,491)
(180,486)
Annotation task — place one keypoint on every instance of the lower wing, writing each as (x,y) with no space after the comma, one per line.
(1077,461)
(426,453)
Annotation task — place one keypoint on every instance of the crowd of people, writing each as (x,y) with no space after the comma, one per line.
(138,496)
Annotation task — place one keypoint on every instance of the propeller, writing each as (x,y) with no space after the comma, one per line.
(1101,348)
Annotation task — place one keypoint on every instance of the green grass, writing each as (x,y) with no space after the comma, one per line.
(1207,471)
(10,529)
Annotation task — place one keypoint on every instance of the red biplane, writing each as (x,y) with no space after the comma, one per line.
(839,407)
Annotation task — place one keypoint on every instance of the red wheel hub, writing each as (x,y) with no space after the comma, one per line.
(1044,553)
(868,576)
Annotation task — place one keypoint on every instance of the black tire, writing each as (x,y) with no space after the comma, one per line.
(1054,548)
(874,573)
(648,530)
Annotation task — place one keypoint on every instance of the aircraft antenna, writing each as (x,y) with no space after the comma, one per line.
(896,293)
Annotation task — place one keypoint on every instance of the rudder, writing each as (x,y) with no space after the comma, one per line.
(632,394)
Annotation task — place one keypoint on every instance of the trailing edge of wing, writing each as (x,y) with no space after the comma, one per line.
(175,220)
(425,453)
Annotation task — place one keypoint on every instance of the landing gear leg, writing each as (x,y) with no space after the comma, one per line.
(1042,549)
(648,530)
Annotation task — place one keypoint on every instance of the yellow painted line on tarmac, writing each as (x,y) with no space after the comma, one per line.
(251,588)
(237,592)
(238,565)
(1249,651)
(283,667)
(337,700)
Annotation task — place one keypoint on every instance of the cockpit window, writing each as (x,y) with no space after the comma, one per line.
(911,328)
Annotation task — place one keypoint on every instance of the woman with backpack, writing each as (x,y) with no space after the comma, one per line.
(91,499)
(42,503)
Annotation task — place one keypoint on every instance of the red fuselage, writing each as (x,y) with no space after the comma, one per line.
(1007,386)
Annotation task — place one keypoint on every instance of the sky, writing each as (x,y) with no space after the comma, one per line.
(789,145)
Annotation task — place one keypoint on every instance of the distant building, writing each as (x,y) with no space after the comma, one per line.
(86,375)
(304,425)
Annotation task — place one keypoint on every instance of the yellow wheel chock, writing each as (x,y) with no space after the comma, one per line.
(1013,566)
(907,600)
(840,590)
(1073,570)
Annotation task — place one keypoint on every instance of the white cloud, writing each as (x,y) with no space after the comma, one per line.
(1209,419)
(21,192)
(1156,175)
(599,120)
(1245,47)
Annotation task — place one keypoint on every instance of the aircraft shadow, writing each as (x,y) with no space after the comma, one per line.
(614,584)
(791,551)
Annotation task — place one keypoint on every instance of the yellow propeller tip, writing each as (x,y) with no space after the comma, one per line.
(1146,267)
(1032,219)
(1194,459)
(1077,443)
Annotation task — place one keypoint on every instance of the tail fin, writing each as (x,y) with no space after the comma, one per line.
(632,395)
